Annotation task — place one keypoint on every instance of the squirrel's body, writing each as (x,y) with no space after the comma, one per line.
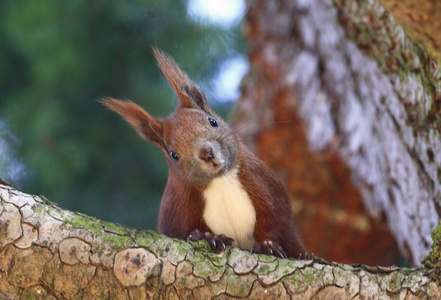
(216,189)
(229,210)
(253,183)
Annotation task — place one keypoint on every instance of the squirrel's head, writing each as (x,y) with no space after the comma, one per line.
(197,143)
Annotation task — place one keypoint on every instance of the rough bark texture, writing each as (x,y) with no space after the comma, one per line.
(421,21)
(50,253)
(346,109)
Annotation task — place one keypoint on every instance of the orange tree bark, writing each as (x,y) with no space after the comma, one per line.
(345,108)
(421,21)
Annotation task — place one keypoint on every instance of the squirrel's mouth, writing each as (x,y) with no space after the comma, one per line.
(212,158)
(217,163)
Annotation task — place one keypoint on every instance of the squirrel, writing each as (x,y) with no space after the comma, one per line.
(217,189)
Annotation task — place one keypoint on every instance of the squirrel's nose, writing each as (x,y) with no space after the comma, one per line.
(206,153)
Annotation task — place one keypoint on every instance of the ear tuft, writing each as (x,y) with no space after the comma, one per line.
(190,95)
(145,125)
(198,97)
(171,71)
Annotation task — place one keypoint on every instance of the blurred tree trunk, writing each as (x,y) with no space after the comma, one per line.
(345,108)
(421,21)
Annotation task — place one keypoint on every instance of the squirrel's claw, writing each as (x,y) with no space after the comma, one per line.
(217,243)
(306,256)
(269,247)
(194,236)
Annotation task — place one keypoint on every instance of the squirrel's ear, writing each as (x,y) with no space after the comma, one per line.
(149,128)
(190,95)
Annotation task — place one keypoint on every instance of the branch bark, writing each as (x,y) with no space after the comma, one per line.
(50,253)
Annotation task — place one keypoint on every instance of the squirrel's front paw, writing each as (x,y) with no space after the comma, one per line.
(269,247)
(216,242)
(306,256)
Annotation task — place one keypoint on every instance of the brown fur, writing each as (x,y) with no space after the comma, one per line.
(273,208)
(184,133)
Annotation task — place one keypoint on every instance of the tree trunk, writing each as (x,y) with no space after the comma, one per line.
(50,253)
(421,21)
(345,108)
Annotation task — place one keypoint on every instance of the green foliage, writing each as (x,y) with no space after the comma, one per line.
(58,57)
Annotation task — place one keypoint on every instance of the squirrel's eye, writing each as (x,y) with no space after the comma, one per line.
(213,122)
(174,155)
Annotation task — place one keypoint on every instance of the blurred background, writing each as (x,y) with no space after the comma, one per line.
(57,58)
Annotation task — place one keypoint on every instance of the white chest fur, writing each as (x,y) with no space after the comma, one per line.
(229,211)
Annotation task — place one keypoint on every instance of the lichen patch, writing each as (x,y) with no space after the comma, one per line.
(242,262)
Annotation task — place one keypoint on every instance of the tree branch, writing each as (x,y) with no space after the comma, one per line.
(51,253)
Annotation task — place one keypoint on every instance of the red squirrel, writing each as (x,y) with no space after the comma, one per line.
(217,189)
